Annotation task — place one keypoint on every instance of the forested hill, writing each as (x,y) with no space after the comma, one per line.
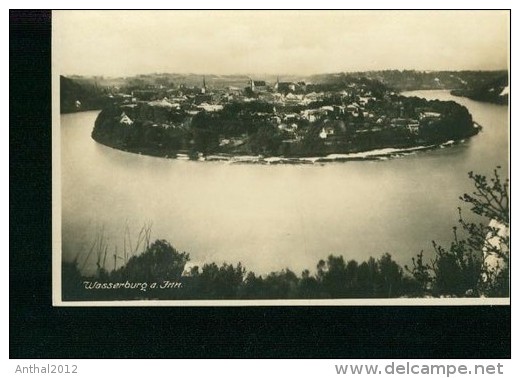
(80,95)
(495,91)
(408,80)
(87,93)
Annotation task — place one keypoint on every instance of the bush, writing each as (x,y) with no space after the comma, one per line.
(160,262)
(478,263)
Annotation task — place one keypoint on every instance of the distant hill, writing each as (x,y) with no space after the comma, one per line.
(408,80)
(86,93)
(495,91)
(80,94)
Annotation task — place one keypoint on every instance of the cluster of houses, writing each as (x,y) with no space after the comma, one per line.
(294,105)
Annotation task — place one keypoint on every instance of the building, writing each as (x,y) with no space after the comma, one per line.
(413,127)
(258,86)
(326,131)
(125,120)
(203,89)
(429,115)
(285,86)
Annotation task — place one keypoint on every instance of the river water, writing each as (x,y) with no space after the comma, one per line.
(270,217)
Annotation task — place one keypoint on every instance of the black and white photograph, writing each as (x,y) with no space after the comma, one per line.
(312,157)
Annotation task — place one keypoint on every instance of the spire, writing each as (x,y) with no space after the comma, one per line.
(203,90)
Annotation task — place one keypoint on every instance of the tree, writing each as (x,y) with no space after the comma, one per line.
(390,276)
(158,263)
(281,284)
(308,286)
(367,273)
(478,263)
(219,282)
(266,140)
(332,275)
(490,200)
(421,276)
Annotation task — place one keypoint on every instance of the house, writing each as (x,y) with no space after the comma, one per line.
(231,142)
(276,120)
(413,127)
(399,123)
(290,128)
(210,108)
(125,120)
(339,109)
(326,131)
(311,115)
(327,109)
(429,115)
(285,86)
(293,98)
(364,100)
(164,103)
(313,96)
(290,117)
(258,85)
(323,134)
(353,109)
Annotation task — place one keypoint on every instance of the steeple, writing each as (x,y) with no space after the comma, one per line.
(203,90)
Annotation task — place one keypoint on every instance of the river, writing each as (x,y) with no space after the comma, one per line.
(271,217)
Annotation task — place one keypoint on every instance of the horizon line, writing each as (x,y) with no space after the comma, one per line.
(250,74)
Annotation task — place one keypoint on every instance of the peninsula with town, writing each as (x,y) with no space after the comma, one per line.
(282,120)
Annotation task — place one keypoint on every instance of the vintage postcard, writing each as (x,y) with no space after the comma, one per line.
(241,158)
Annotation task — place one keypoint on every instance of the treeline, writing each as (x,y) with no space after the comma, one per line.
(489,91)
(161,263)
(455,122)
(144,136)
(475,264)
(408,80)
(81,95)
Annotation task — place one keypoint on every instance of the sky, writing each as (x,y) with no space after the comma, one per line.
(126,43)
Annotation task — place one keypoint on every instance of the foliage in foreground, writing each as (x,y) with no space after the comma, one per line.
(477,261)
(164,265)
(475,264)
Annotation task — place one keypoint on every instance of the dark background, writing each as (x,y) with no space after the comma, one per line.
(38,330)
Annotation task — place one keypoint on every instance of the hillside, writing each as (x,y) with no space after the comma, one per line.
(80,95)
(495,91)
(408,80)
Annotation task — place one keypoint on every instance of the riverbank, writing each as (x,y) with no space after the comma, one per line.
(378,154)
(372,155)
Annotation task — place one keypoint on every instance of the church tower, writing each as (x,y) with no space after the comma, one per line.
(203,90)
